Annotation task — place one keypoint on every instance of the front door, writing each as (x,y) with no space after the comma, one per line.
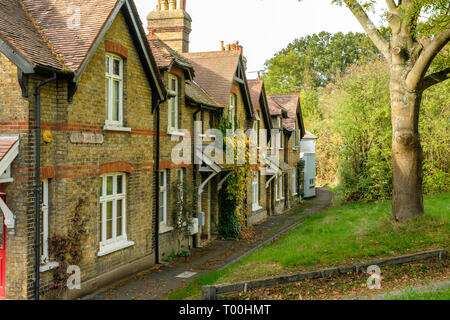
(2,253)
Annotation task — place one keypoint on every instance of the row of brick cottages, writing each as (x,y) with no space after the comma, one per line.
(109,146)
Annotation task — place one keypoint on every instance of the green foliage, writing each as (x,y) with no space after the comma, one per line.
(184,207)
(185,254)
(228,226)
(356,232)
(170,257)
(361,116)
(355,136)
(314,61)
(232,208)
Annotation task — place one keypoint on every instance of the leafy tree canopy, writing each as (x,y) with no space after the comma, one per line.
(314,61)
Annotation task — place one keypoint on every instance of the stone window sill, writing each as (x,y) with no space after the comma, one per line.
(113,247)
(256,208)
(48,266)
(164,229)
(116,128)
(176,133)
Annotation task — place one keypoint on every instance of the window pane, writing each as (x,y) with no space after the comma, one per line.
(161,206)
(109,220)
(107,65)
(115,100)
(108,81)
(119,218)
(116,67)
(41,233)
(119,184)
(100,181)
(100,221)
(173,85)
(109,185)
(162,180)
(172,110)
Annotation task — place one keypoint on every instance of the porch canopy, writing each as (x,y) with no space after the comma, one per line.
(9,149)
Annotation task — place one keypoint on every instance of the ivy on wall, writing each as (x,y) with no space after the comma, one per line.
(67,250)
(232,197)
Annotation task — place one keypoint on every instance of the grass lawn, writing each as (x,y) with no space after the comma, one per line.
(339,235)
(412,294)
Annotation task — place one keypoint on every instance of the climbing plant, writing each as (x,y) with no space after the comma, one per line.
(67,250)
(184,206)
(232,197)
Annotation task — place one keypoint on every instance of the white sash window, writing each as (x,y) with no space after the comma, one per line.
(112,215)
(114,90)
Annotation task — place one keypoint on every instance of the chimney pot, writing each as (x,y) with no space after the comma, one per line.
(222,47)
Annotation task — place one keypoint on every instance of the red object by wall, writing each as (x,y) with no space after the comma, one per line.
(2,256)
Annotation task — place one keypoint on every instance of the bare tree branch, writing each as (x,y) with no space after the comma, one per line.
(427,55)
(436,78)
(392,6)
(371,30)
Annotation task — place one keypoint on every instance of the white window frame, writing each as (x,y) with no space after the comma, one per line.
(116,242)
(232,111)
(173,104)
(255,191)
(256,133)
(277,195)
(280,188)
(163,198)
(110,78)
(46,264)
(180,177)
(280,133)
(294,181)
(294,140)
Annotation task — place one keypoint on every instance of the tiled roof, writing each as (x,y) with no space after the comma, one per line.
(6,144)
(290,102)
(17,28)
(214,72)
(53,18)
(255,87)
(274,108)
(197,94)
(44,33)
(165,55)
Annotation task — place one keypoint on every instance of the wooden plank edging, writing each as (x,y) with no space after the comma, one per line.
(212,292)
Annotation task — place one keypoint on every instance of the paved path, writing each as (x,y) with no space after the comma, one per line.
(157,282)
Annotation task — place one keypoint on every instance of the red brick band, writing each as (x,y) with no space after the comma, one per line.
(116,48)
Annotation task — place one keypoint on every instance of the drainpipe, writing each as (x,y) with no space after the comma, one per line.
(157,168)
(195,165)
(38,183)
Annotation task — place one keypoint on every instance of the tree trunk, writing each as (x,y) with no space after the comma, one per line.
(407,202)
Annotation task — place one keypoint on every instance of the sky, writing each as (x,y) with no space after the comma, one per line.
(262,27)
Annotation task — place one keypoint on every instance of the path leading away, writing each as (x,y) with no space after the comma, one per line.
(157,282)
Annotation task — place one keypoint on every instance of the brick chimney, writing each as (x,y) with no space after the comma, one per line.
(235,47)
(171,23)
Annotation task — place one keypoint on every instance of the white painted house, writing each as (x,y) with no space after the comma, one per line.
(308,154)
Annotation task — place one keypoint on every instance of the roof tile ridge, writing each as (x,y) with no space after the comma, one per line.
(44,37)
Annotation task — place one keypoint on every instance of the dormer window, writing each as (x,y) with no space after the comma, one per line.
(173,104)
(280,132)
